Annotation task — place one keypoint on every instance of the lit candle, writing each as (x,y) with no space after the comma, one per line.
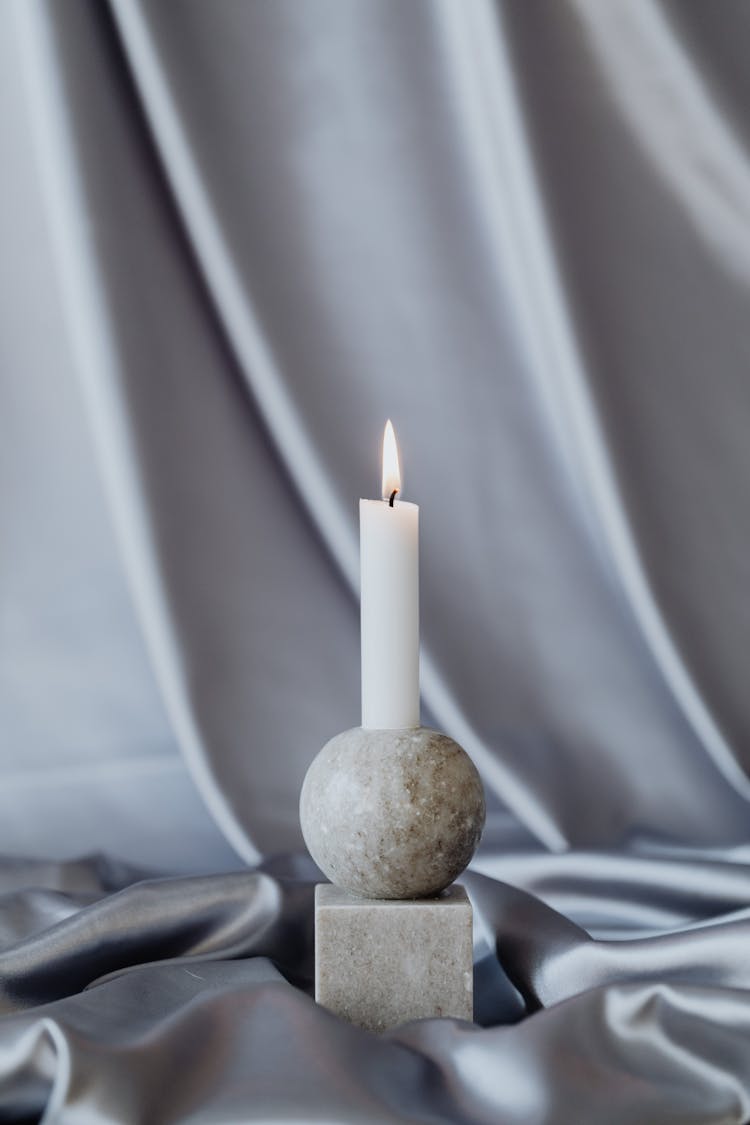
(389,561)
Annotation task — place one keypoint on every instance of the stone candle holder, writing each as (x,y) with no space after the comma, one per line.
(392,817)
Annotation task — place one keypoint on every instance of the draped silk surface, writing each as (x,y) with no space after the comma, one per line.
(236,237)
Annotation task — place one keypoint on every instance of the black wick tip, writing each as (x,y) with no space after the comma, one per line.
(393,497)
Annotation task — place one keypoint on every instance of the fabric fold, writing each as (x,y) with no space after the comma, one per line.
(204,1014)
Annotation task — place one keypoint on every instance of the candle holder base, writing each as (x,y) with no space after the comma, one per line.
(382,962)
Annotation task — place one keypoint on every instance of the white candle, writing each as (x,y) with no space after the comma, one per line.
(389,560)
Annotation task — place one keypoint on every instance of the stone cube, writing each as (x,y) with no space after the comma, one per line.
(381,962)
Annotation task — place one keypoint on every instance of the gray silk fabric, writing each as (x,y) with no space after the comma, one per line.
(187,999)
(237,237)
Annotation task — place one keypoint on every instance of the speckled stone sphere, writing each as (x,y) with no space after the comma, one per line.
(392,813)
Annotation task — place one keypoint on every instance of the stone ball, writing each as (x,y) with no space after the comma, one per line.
(392,813)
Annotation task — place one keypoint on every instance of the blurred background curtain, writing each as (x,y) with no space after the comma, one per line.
(236,237)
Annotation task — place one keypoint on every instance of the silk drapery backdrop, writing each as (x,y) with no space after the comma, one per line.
(237,237)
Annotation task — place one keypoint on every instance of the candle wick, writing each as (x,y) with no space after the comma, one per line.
(393,497)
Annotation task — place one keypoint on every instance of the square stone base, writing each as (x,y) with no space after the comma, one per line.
(381,962)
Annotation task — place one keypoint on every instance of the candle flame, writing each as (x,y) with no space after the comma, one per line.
(391,468)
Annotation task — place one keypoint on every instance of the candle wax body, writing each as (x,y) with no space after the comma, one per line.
(389,557)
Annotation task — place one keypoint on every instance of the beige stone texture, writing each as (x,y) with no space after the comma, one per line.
(380,963)
(392,813)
